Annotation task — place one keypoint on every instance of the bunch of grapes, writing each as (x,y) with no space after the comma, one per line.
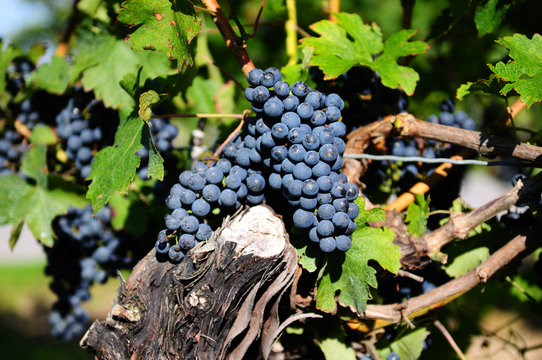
(293,147)
(87,250)
(163,132)
(83,126)
(12,146)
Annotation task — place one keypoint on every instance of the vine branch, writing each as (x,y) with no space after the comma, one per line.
(233,42)
(459,226)
(393,313)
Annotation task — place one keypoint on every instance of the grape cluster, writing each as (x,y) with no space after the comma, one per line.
(12,146)
(293,146)
(163,132)
(82,135)
(87,250)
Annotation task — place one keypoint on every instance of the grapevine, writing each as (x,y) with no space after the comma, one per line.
(278,179)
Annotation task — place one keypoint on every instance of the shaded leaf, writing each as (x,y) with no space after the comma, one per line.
(161,26)
(15,234)
(408,346)
(350,274)
(331,339)
(7,54)
(466,261)
(51,77)
(489,16)
(155,167)
(492,86)
(37,205)
(417,214)
(43,135)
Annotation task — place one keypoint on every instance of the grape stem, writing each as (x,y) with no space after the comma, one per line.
(334,7)
(433,160)
(167,116)
(233,42)
(450,339)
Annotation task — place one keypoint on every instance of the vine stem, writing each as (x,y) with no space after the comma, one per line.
(291,32)
(459,226)
(407,125)
(167,116)
(233,42)
(450,339)
(393,313)
(334,7)
(408,6)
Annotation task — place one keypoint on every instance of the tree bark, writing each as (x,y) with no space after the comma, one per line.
(220,302)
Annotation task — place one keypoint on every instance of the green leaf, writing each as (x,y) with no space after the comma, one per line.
(51,77)
(489,16)
(7,55)
(524,71)
(37,205)
(34,164)
(201,93)
(349,42)
(417,214)
(162,27)
(525,288)
(103,74)
(129,213)
(308,254)
(408,346)
(14,235)
(466,261)
(114,166)
(43,135)
(350,273)
(146,101)
(492,86)
(331,339)
(155,168)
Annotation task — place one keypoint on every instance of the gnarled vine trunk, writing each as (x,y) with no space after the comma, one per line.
(220,302)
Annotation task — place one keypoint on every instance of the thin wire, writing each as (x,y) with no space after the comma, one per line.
(435,160)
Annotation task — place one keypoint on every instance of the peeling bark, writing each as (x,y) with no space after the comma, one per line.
(220,302)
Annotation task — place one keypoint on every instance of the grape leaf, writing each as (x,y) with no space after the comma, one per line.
(130,213)
(103,74)
(349,273)
(524,287)
(408,346)
(332,340)
(349,42)
(7,54)
(162,26)
(155,167)
(43,134)
(15,234)
(466,261)
(308,255)
(37,204)
(489,16)
(492,86)
(114,166)
(417,214)
(146,101)
(524,71)
(51,77)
